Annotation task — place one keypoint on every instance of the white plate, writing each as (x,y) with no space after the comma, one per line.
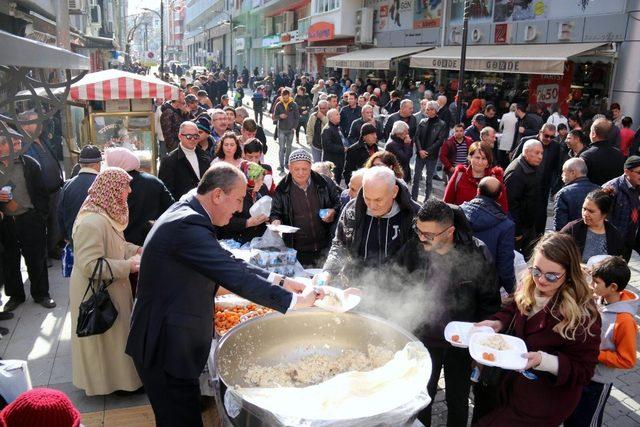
(282,228)
(349,301)
(463,330)
(507,359)
(231,300)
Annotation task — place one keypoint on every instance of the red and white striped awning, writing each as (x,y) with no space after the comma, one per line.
(116,84)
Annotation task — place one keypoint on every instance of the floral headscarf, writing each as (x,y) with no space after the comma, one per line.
(105,196)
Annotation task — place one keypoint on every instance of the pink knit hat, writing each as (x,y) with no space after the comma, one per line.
(121,158)
(40,407)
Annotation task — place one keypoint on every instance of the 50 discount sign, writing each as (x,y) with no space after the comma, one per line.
(548,93)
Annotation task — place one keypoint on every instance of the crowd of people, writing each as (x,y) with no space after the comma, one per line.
(357,196)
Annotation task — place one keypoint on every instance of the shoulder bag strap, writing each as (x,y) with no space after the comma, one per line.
(97,267)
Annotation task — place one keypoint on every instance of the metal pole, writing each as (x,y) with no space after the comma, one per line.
(463,58)
(162,38)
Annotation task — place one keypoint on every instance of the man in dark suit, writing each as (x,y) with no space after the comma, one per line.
(181,269)
(182,168)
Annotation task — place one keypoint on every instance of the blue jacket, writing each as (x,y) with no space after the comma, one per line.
(182,266)
(492,226)
(626,210)
(569,200)
(71,199)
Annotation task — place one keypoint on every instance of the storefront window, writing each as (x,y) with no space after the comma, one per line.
(322,6)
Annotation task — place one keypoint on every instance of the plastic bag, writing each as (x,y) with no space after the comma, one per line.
(14,379)
(270,240)
(261,207)
(67,260)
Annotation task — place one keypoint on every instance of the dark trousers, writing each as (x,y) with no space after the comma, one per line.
(312,259)
(25,235)
(590,409)
(54,234)
(457,368)
(175,401)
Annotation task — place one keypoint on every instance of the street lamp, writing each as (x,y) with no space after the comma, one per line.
(161,16)
(463,56)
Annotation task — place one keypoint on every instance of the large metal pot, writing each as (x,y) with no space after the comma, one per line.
(277,338)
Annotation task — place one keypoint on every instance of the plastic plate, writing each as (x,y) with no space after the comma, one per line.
(507,359)
(282,228)
(462,331)
(348,301)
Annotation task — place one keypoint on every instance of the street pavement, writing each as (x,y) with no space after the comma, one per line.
(43,337)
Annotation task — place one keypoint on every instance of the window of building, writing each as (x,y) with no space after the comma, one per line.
(326,5)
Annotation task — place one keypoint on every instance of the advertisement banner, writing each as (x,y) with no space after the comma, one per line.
(552,89)
(392,15)
(427,13)
(480,10)
(520,10)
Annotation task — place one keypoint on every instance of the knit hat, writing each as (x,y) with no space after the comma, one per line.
(367,129)
(90,154)
(300,155)
(204,123)
(632,162)
(40,407)
(121,157)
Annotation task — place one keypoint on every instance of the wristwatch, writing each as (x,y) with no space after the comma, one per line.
(281,281)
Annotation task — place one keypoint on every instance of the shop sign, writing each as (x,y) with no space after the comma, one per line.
(271,40)
(479,10)
(290,37)
(240,43)
(552,89)
(511,11)
(427,14)
(393,15)
(500,33)
(321,31)
(327,49)
(524,66)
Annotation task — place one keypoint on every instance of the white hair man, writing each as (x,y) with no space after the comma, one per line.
(317,121)
(430,135)
(523,180)
(405,114)
(372,227)
(401,145)
(367,117)
(569,200)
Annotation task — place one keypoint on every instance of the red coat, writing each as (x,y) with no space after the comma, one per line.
(463,188)
(549,400)
(448,152)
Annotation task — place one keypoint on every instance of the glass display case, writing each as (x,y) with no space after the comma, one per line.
(132,130)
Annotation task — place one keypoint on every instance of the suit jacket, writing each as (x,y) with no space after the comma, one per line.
(182,266)
(178,175)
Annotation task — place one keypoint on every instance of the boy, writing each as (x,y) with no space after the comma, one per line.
(618,344)
(252,152)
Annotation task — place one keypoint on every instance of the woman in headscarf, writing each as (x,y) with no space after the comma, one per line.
(99,363)
(243,227)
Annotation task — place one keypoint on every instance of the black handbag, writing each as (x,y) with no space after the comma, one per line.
(97,313)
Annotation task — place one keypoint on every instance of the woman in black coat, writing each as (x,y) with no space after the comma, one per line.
(593,234)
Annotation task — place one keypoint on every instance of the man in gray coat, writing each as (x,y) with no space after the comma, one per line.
(287,116)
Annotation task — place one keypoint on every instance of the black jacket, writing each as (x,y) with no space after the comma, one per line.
(445,115)
(357,155)
(356,126)
(604,162)
(351,232)
(349,115)
(578,230)
(411,121)
(551,165)
(532,123)
(182,266)
(523,183)
(36,188)
(148,200)
(432,141)
(72,196)
(461,285)
(282,209)
(403,153)
(332,146)
(178,175)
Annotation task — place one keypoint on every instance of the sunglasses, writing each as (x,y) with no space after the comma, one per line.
(546,136)
(190,136)
(426,235)
(549,277)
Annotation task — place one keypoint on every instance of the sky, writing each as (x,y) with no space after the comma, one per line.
(137,5)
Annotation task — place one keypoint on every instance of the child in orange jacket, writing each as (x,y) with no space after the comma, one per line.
(618,339)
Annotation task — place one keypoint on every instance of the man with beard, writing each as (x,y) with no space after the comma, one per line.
(460,277)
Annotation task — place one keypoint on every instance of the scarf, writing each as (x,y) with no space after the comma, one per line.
(105,197)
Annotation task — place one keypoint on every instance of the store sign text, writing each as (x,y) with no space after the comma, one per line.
(321,31)
(495,65)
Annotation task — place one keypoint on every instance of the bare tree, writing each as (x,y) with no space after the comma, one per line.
(138,21)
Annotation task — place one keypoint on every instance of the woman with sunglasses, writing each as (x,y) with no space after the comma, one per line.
(593,234)
(555,314)
(229,150)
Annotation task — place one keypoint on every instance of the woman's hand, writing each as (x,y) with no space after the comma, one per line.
(534,358)
(496,325)
(256,220)
(134,264)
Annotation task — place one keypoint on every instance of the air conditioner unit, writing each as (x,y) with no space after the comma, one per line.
(76,7)
(364,26)
(268,25)
(288,21)
(96,15)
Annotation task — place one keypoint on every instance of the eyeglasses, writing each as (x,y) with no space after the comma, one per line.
(547,136)
(549,277)
(190,136)
(426,235)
